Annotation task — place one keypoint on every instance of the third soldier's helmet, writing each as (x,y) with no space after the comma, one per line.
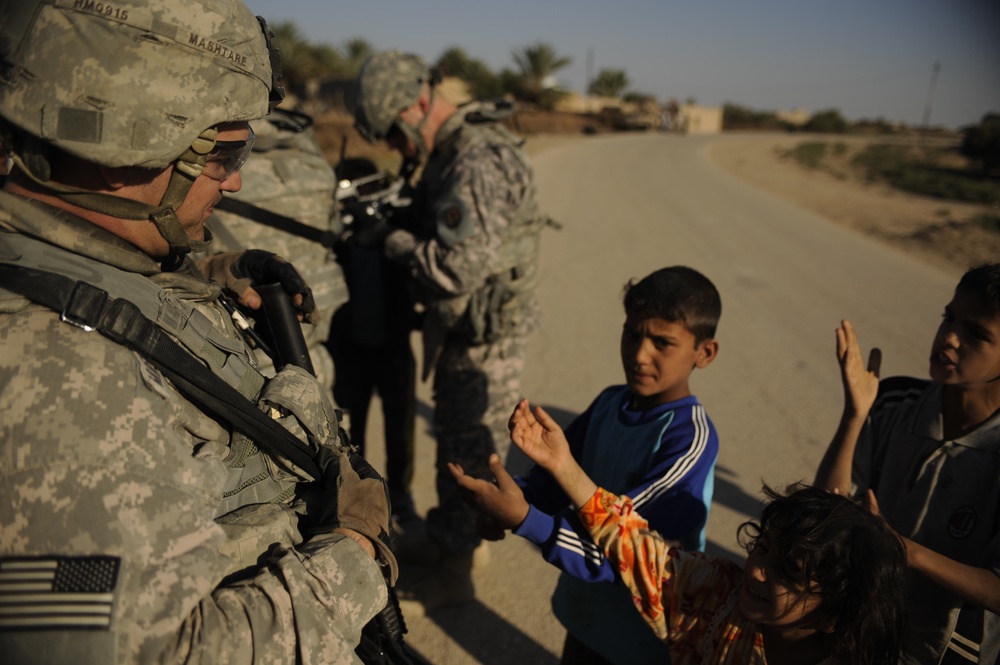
(387,83)
(130,83)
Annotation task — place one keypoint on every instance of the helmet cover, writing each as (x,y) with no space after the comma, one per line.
(387,83)
(131,83)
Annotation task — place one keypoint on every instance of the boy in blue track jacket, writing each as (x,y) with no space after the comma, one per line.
(649,439)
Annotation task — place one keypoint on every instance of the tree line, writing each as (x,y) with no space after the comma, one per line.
(531,78)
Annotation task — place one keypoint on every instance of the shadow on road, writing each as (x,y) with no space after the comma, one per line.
(488,637)
(425,412)
(731,495)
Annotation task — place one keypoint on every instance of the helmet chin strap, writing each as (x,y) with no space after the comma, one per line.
(415,132)
(186,170)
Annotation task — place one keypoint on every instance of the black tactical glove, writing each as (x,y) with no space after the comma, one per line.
(262,267)
(238,271)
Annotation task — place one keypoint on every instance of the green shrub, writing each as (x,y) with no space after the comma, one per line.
(827,122)
(810,154)
(989,221)
(982,142)
(903,168)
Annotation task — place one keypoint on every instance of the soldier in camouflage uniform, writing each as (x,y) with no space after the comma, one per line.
(136,524)
(287,181)
(475,263)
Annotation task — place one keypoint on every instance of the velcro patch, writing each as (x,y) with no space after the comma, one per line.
(453,221)
(152,377)
(452,217)
(63,592)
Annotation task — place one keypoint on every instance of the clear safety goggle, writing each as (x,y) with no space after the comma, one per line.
(228,157)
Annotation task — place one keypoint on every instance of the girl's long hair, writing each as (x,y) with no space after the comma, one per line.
(855,558)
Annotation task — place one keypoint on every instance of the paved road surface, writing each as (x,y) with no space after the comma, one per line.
(631,204)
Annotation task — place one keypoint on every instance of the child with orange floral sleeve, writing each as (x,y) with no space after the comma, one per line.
(820,584)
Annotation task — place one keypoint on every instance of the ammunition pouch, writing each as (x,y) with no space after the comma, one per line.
(497,311)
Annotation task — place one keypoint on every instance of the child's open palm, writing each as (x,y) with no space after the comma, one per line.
(539,437)
(501,505)
(860,382)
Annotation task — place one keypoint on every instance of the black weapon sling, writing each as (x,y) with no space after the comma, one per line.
(91,308)
(277,221)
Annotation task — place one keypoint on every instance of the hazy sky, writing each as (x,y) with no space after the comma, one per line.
(865,58)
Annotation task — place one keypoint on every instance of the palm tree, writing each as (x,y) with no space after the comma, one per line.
(609,83)
(303,61)
(538,63)
(296,61)
(453,61)
(358,50)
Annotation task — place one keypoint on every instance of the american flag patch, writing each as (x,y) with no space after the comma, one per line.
(57,592)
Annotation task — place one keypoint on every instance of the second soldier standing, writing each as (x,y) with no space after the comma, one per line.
(474,262)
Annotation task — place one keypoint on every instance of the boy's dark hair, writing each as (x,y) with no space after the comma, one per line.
(983,281)
(857,561)
(677,294)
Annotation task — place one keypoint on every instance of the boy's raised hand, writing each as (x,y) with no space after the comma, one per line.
(860,382)
(539,437)
(501,505)
(860,390)
(542,440)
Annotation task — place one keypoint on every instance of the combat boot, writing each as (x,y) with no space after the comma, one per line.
(447,584)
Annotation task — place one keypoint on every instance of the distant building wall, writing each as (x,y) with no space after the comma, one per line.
(455,90)
(796,117)
(574,102)
(701,119)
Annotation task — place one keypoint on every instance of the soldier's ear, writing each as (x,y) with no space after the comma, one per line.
(115,177)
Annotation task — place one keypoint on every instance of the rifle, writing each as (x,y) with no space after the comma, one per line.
(367,197)
(382,638)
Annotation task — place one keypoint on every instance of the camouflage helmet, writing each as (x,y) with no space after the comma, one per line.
(137,83)
(132,83)
(387,83)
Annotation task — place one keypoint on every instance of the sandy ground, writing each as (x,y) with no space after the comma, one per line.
(936,231)
(932,230)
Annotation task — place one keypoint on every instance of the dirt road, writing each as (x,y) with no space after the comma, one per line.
(634,203)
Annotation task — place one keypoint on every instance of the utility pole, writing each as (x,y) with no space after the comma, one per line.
(590,78)
(930,95)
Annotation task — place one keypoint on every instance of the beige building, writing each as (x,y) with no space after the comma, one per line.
(701,119)
(795,117)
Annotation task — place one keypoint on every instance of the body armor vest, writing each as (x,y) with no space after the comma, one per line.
(253,477)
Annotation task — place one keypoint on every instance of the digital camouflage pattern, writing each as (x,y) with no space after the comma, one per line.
(143,529)
(105,460)
(198,63)
(479,246)
(474,388)
(288,174)
(388,82)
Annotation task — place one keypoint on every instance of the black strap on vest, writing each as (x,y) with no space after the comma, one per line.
(91,308)
(276,221)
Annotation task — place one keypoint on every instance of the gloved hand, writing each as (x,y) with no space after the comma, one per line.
(238,272)
(352,495)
